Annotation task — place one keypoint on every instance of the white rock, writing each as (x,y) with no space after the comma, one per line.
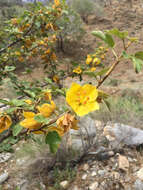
(84,176)
(140,174)
(93,186)
(64,184)
(138,185)
(123,133)
(93,173)
(85,167)
(101,172)
(123,163)
(3,177)
(5,157)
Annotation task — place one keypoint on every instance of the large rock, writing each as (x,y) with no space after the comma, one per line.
(119,133)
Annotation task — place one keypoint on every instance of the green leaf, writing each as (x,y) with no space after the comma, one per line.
(116,32)
(16,130)
(48,80)
(31,93)
(41,119)
(102,72)
(16,102)
(125,55)
(60,91)
(53,139)
(99,34)
(4,102)
(139,55)
(90,73)
(138,63)
(106,102)
(9,68)
(109,40)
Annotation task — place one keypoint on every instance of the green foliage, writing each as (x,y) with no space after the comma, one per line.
(16,129)
(60,175)
(6,145)
(127,109)
(107,38)
(53,140)
(83,7)
(71,26)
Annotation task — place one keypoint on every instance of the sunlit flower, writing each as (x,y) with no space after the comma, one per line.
(93,69)
(29,122)
(82,99)
(53,57)
(17,53)
(48,51)
(96,61)
(14,21)
(77,70)
(47,95)
(5,122)
(60,131)
(57,2)
(21,59)
(67,122)
(88,60)
(28,101)
(56,79)
(47,109)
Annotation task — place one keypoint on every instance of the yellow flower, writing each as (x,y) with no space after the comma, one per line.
(96,61)
(102,56)
(53,57)
(41,42)
(60,131)
(47,95)
(93,69)
(5,123)
(17,53)
(56,79)
(47,109)
(82,99)
(14,21)
(21,59)
(28,101)
(77,70)
(67,122)
(57,2)
(88,60)
(29,122)
(48,51)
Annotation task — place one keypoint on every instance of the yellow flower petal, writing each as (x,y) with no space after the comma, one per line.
(5,123)
(47,109)
(82,99)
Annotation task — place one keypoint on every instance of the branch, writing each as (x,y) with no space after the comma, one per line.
(18,40)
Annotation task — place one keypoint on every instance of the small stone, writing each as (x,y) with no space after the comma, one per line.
(85,167)
(75,188)
(64,184)
(93,173)
(123,163)
(140,174)
(5,157)
(93,186)
(101,172)
(3,177)
(138,185)
(116,175)
(84,176)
